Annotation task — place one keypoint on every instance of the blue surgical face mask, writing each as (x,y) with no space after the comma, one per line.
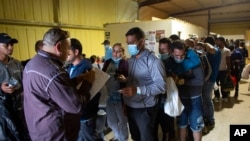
(164,56)
(106,46)
(116,60)
(132,49)
(178,60)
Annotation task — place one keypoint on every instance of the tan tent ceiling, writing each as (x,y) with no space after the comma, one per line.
(228,10)
(211,14)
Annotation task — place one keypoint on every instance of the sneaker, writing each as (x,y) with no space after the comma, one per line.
(101,112)
(205,131)
(210,126)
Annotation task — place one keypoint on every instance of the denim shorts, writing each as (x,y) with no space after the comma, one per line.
(192,114)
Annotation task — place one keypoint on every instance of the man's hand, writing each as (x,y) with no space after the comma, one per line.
(178,80)
(6,88)
(121,78)
(89,76)
(129,91)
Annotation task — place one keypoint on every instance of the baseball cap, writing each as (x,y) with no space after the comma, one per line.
(5,38)
(106,42)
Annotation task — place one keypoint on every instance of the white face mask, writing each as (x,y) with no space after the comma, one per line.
(132,49)
(116,60)
(178,60)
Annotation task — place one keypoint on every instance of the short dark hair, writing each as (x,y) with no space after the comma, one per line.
(38,45)
(222,39)
(165,41)
(174,37)
(210,40)
(139,34)
(178,44)
(237,43)
(231,47)
(76,44)
(242,43)
(106,42)
(92,58)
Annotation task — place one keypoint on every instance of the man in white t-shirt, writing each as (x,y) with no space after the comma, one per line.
(224,69)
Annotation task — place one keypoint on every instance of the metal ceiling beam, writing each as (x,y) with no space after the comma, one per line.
(150,2)
(229,20)
(209,8)
(47,24)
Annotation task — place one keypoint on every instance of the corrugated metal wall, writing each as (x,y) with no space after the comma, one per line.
(28,20)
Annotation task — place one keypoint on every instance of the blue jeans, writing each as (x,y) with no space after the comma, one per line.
(142,123)
(208,106)
(88,131)
(192,113)
(117,120)
(101,125)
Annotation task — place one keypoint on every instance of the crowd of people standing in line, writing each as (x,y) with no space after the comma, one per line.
(40,98)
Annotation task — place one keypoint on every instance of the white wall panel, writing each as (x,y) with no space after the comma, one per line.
(170,26)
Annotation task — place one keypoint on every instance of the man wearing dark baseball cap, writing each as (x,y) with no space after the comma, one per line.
(105,42)
(11,91)
(5,38)
(108,49)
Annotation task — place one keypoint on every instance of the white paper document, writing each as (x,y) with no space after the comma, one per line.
(100,79)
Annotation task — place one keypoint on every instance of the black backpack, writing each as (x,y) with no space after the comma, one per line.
(205,65)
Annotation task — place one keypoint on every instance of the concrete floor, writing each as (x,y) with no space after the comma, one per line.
(234,111)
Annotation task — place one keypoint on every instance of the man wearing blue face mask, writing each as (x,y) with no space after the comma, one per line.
(165,121)
(146,80)
(186,58)
(108,50)
(188,68)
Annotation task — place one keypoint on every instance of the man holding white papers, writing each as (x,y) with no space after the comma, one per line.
(77,66)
